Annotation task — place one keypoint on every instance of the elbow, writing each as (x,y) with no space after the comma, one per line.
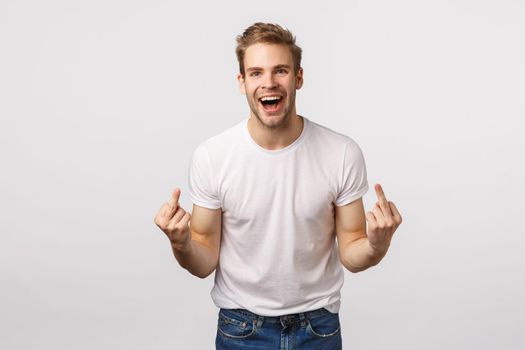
(205,274)
(355,269)
(201,275)
(361,263)
(347,265)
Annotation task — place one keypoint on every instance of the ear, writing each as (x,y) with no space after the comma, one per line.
(299,79)
(242,86)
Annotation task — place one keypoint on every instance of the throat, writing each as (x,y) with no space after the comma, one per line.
(276,137)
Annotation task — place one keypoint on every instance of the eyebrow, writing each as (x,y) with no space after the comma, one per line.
(276,67)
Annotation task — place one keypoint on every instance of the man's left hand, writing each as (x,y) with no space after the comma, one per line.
(383,221)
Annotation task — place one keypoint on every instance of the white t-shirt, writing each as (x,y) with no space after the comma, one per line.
(278,251)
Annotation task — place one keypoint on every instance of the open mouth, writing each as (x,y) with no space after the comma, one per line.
(271,103)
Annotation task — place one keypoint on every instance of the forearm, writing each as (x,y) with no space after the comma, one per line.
(359,255)
(197,258)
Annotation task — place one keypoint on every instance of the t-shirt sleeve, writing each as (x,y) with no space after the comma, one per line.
(203,189)
(353,183)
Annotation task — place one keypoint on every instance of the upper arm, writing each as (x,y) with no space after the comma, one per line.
(350,223)
(206,227)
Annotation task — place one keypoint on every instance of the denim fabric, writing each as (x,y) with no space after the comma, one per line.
(242,329)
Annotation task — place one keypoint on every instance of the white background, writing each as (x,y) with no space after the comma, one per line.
(103,102)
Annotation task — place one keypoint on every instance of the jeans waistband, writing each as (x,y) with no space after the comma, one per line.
(284,319)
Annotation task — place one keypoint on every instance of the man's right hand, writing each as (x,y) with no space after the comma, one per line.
(173,220)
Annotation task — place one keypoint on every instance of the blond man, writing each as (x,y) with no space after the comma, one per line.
(277,211)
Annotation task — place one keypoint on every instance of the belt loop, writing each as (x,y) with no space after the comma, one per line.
(303,318)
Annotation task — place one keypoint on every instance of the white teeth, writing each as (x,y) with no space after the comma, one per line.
(270,98)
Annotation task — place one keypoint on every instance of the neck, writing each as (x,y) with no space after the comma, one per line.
(276,138)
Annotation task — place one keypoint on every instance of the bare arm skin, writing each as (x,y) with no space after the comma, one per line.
(355,252)
(195,238)
(359,247)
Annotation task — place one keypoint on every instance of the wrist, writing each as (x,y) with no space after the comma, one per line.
(377,252)
(183,248)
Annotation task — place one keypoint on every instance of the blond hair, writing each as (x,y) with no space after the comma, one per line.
(267,33)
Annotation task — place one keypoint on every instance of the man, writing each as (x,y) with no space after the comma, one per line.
(270,195)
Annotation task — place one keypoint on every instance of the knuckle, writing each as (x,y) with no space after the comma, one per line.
(160,222)
(181,226)
(171,227)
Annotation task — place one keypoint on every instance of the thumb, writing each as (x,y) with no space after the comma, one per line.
(371,219)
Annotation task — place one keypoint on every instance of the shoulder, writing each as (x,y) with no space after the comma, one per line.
(330,139)
(221,143)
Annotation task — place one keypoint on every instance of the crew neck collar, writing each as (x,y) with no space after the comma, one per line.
(281,151)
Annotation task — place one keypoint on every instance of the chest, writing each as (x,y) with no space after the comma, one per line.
(297,189)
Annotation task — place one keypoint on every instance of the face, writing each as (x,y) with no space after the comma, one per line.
(270,83)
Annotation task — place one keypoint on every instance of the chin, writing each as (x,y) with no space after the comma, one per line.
(272,121)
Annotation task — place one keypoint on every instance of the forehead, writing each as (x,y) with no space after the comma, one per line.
(267,55)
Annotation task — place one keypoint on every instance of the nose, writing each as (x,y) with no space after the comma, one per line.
(269,81)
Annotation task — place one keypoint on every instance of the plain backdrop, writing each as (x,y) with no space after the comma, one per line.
(103,102)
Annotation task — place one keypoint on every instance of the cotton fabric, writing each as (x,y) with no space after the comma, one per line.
(278,252)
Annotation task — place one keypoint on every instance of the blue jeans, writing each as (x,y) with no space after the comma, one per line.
(241,329)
